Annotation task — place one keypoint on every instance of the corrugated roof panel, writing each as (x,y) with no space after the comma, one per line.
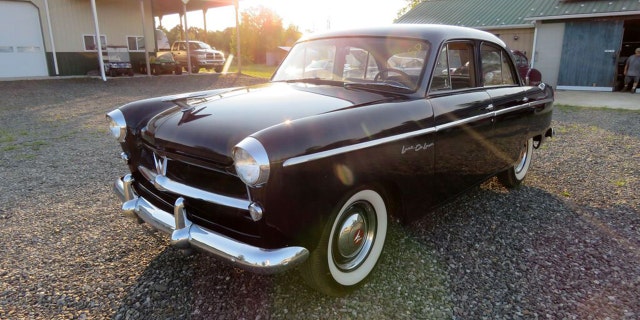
(496,13)
(551,8)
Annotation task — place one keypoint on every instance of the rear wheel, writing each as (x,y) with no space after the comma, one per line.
(513,177)
(350,246)
(195,68)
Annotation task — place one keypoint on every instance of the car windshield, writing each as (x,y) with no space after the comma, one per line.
(199,45)
(164,57)
(376,63)
(117,54)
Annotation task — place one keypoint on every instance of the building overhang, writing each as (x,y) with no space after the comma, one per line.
(502,27)
(584,16)
(165,7)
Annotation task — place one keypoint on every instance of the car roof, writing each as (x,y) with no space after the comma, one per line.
(434,33)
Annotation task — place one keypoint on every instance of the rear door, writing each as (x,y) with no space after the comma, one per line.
(508,101)
(463,119)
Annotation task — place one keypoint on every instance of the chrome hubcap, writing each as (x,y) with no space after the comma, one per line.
(523,158)
(355,234)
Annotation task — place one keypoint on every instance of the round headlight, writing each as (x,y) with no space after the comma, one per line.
(117,124)
(251,162)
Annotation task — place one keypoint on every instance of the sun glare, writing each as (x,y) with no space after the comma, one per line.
(307,15)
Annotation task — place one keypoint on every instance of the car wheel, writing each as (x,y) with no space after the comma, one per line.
(195,68)
(350,245)
(218,69)
(513,177)
(178,70)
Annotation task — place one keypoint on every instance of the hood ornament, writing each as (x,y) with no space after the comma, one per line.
(160,164)
(184,106)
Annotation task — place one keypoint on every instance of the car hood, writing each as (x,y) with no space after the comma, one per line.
(209,130)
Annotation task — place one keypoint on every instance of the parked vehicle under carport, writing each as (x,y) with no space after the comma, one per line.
(117,61)
(163,63)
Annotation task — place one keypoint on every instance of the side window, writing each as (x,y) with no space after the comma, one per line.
(90,43)
(455,68)
(496,69)
(521,61)
(135,43)
(359,64)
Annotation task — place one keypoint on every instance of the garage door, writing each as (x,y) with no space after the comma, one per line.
(589,54)
(21,45)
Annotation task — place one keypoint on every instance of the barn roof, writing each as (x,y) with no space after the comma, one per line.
(486,14)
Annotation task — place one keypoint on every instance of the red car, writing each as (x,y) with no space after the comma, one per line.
(531,76)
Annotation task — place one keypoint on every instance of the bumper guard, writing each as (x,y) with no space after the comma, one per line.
(185,234)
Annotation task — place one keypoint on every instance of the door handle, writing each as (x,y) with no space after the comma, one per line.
(490,107)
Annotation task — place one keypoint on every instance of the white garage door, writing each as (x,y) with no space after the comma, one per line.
(21,45)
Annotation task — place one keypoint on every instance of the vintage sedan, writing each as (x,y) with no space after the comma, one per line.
(308,170)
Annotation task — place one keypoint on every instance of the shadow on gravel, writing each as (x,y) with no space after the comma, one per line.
(492,253)
(529,254)
(409,279)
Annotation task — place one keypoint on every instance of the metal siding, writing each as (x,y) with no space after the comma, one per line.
(548,52)
(71,19)
(524,42)
(589,53)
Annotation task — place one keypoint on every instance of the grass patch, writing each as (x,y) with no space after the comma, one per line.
(35,145)
(565,107)
(255,70)
(620,183)
(6,137)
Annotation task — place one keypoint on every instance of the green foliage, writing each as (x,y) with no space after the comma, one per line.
(261,31)
(256,70)
(410,5)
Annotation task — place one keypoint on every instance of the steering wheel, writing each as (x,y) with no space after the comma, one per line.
(404,78)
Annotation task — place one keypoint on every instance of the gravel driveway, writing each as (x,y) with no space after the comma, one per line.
(566,245)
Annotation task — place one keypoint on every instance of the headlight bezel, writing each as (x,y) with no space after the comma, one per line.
(117,125)
(251,162)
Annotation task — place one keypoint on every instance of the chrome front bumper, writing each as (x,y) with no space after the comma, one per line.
(185,234)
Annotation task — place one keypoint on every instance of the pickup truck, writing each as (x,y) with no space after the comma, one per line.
(202,56)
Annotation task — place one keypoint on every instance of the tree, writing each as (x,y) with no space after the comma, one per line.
(410,5)
(261,31)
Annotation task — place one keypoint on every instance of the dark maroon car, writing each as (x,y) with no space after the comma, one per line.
(530,76)
(308,170)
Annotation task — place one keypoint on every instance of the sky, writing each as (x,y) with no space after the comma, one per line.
(308,15)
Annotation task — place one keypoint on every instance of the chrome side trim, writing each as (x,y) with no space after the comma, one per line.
(187,234)
(460,122)
(515,108)
(357,146)
(363,145)
(165,184)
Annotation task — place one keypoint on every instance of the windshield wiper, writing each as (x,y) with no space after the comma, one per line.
(316,81)
(378,86)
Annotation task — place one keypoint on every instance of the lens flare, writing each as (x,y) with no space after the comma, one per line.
(344,174)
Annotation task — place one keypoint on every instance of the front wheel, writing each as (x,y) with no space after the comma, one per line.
(350,245)
(513,177)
